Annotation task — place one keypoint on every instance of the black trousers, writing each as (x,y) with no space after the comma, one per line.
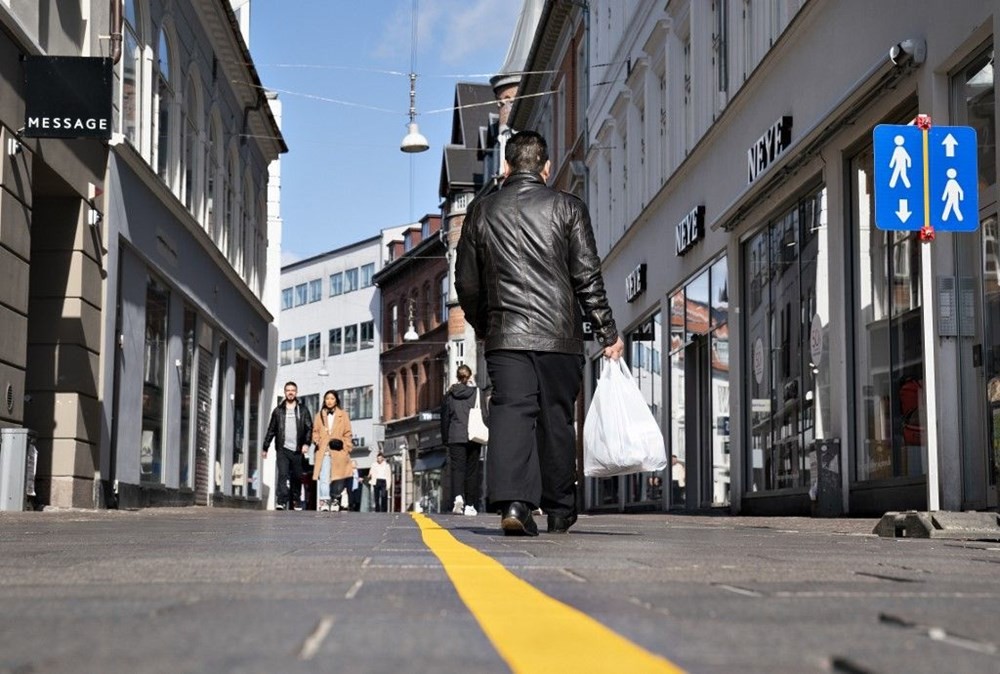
(381,500)
(289,464)
(532,450)
(463,459)
(337,488)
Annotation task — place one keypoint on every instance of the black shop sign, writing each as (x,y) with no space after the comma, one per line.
(67,97)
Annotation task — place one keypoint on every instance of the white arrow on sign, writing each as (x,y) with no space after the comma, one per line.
(904,211)
(949,143)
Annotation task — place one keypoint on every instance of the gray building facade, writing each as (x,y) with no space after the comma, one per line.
(780,335)
(138,345)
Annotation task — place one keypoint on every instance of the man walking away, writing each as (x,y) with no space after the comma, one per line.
(463,454)
(292,426)
(527,265)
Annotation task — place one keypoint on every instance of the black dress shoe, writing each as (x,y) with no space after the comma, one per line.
(517,520)
(560,524)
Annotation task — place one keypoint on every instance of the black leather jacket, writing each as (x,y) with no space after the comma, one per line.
(527,266)
(276,427)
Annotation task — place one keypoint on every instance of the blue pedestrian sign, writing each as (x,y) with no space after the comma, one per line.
(926,177)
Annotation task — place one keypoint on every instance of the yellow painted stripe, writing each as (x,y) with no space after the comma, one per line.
(532,631)
(927,180)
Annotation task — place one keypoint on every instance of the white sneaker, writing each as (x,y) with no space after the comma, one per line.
(335,507)
(279,506)
(470,511)
(459,506)
(324,506)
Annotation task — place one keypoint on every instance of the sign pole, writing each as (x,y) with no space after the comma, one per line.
(930,354)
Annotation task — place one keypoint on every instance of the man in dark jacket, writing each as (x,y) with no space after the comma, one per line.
(292,426)
(463,454)
(527,265)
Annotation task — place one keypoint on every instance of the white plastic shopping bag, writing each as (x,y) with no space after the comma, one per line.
(620,434)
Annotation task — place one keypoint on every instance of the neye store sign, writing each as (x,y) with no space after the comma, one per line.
(67,97)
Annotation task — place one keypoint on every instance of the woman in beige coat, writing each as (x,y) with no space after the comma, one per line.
(333,439)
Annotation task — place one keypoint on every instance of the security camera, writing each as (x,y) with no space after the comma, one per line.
(907,50)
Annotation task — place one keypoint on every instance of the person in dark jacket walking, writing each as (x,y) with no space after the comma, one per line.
(527,266)
(463,454)
(292,426)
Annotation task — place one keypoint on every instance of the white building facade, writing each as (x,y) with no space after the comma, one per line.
(811,362)
(186,233)
(330,335)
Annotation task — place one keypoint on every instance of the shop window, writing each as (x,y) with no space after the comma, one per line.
(253,430)
(978,103)
(785,268)
(187,367)
(889,342)
(239,468)
(643,351)
(220,409)
(154,379)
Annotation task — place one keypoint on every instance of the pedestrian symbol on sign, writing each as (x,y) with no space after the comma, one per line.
(953,193)
(900,163)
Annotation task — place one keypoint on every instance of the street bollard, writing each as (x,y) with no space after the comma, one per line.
(13,462)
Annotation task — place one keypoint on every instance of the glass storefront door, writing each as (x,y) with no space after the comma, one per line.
(978,258)
(785,268)
(698,368)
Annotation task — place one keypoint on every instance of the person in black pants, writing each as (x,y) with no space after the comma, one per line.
(380,476)
(526,267)
(291,424)
(463,454)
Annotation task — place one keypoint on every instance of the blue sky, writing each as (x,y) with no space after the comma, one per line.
(344,177)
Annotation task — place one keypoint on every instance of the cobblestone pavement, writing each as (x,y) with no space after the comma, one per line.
(217,590)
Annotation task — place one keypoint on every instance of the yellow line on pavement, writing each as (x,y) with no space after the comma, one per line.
(532,631)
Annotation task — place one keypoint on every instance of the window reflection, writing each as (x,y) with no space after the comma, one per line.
(889,342)
(644,362)
(154,377)
(786,270)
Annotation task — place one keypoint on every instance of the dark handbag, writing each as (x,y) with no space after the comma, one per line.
(337,445)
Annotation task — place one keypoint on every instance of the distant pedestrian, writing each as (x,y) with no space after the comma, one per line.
(354,493)
(332,465)
(290,424)
(380,477)
(463,454)
(527,266)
